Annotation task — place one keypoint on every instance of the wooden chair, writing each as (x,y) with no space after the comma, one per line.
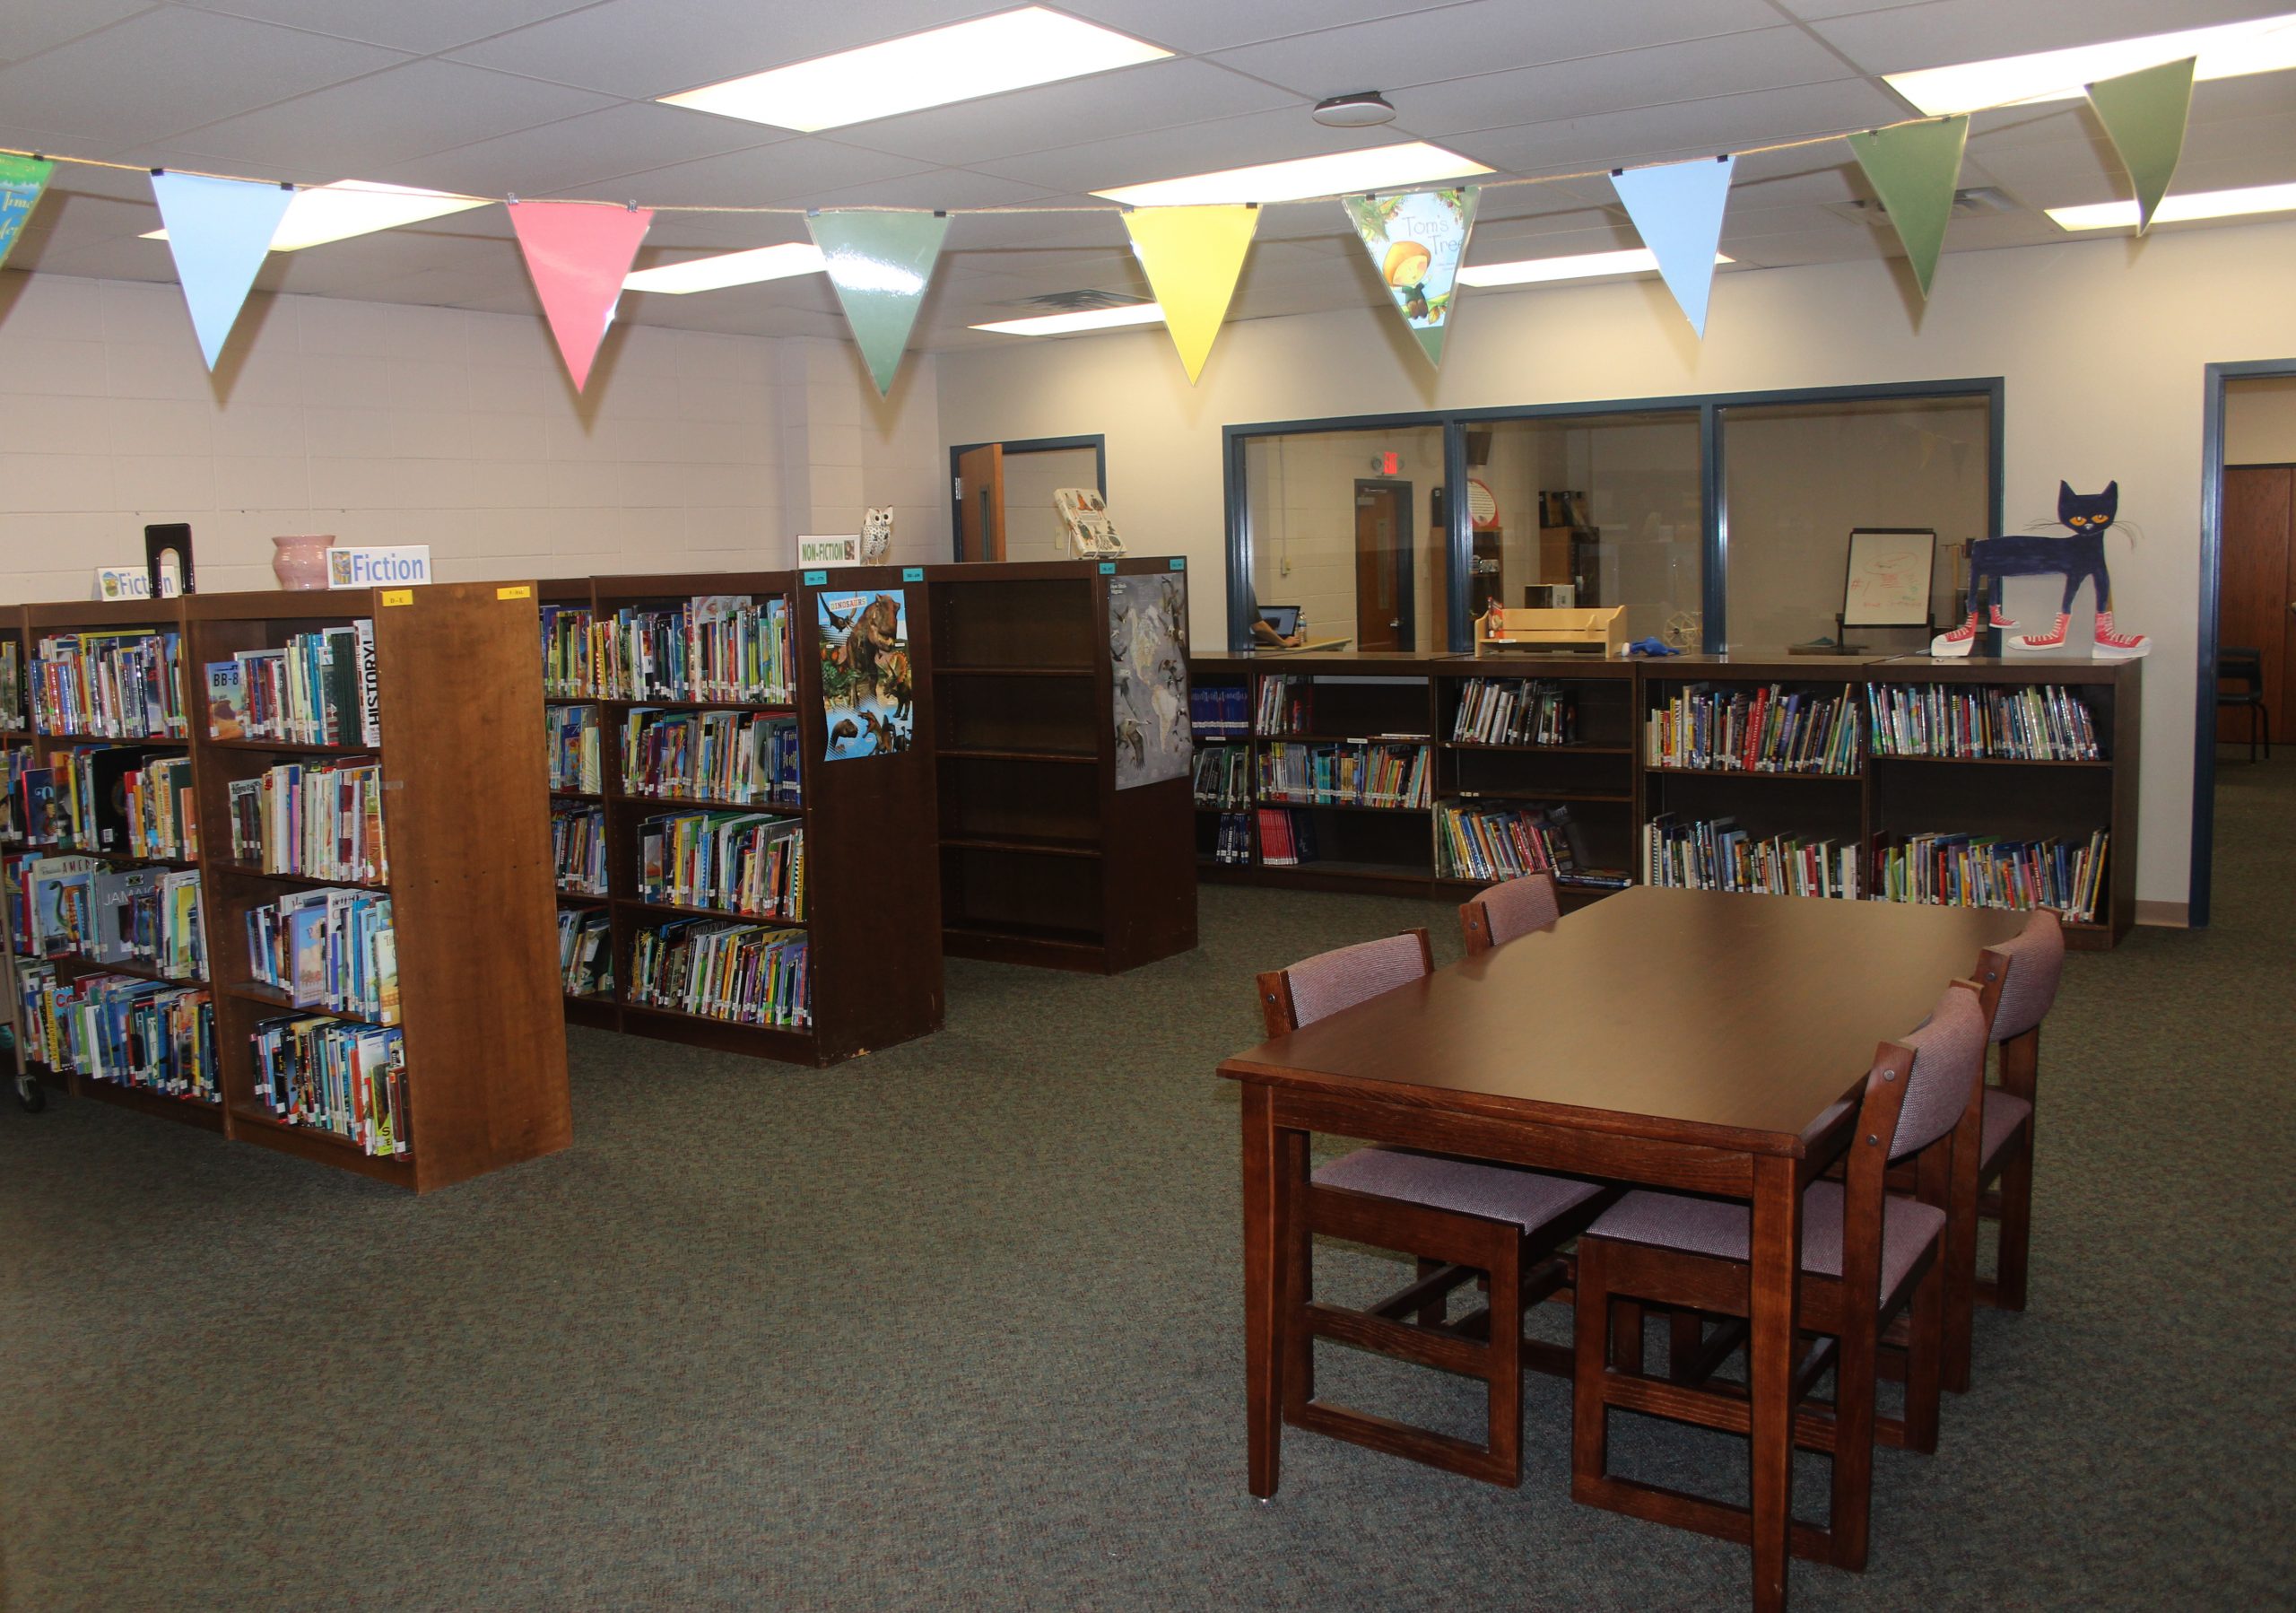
(1866,1255)
(1495,916)
(1463,1220)
(2034,963)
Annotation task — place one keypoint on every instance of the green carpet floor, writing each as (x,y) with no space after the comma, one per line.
(960,1325)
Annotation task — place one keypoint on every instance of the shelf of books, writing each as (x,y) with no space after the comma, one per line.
(242,904)
(1061,744)
(742,830)
(1978,783)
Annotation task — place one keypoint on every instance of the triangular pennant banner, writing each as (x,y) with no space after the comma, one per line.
(22,181)
(2146,113)
(579,254)
(1915,169)
(1193,256)
(880,263)
(1677,210)
(219,230)
(1417,241)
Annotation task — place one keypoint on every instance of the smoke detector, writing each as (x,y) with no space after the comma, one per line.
(1979,201)
(1356,109)
(1074,303)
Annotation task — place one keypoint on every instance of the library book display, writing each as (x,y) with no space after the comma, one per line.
(1980,784)
(278,865)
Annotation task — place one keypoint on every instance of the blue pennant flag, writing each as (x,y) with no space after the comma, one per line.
(219,230)
(1677,210)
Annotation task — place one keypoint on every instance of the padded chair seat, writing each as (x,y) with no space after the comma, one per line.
(1529,1199)
(1724,1229)
(2004,1111)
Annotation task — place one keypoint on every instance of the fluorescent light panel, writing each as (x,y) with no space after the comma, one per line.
(1091,318)
(320,214)
(729,268)
(1342,174)
(963,62)
(1531,271)
(2231,51)
(2180,209)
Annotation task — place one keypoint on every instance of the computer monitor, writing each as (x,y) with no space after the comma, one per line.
(1284,619)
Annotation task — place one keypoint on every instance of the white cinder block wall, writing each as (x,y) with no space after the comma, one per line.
(387,423)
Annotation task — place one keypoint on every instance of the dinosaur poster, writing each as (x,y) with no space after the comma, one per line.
(867,694)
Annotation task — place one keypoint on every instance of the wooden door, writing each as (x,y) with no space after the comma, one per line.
(2258,588)
(1382,566)
(980,502)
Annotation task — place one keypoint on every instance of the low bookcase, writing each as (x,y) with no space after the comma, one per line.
(462,815)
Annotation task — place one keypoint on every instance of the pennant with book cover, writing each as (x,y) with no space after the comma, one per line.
(868,696)
(219,231)
(578,254)
(1677,210)
(2146,113)
(1194,257)
(1417,241)
(22,181)
(880,263)
(1915,169)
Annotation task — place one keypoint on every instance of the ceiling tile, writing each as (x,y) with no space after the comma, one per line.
(1196,148)
(645,48)
(1767,58)
(422,26)
(1194,27)
(1946,33)
(422,107)
(934,188)
(766,176)
(587,149)
(29,30)
(174,69)
(1155,95)
(1682,130)
(1425,47)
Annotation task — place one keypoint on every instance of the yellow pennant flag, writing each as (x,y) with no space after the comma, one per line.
(1193,256)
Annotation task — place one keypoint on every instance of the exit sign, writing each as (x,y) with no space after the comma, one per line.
(1390,464)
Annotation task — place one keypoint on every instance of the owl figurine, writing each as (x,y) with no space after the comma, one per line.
(876,535)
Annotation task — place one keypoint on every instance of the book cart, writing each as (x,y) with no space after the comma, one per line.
(1044,859)
(869,924)
(468,875)
(1604,775)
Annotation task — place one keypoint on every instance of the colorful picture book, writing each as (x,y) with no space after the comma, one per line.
(577,844)
(322,821)
(112,1027)
(1285,705)
(1219,711)
(733,862)
(586,952)
(114,799)
(14,718)
(1505,839)
(331,949)
(317,688)
(1515,711)
(2029,723)
(1224,776)
(570,653)
(1345,773)
(742,756)
(576,758)
(1286,838)
(1764,729)
(1232,839)
(1718,855)
(111,684)
(345,1078)
(1987,870)
(746,974)
(713,646)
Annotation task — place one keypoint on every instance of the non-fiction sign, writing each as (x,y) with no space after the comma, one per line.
(374,568)
(844,551)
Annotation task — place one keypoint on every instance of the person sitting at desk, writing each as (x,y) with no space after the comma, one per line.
(1264,637)
(1277,627)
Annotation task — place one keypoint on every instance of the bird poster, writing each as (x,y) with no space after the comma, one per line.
(1148,652)
(868,696)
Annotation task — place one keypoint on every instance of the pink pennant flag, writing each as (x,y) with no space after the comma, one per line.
(578,254)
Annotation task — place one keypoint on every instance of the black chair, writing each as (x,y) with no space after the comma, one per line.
(2245,667)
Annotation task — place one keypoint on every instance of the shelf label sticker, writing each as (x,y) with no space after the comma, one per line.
(1108,567)
(1179,563)
(912,573)
(817,579)
(523,591)
(399,596)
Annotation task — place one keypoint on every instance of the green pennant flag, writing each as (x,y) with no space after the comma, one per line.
(22,181)
(2146,113)
(880,263)
(1914,168)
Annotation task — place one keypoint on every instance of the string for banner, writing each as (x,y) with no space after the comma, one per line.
(1019,211)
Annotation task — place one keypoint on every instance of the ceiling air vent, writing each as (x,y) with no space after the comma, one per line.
(1075,302)
(1979,201)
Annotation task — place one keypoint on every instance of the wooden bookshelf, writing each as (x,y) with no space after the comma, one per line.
(1043,859)
(872,918)
(1612,790)
(469,850)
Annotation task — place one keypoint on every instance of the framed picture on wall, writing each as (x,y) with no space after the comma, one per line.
(1887,581)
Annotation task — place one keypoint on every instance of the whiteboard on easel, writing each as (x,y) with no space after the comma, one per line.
(1888,580)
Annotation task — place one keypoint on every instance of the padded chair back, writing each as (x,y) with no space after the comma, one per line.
(2243,667)
(1322,985)
(2036,957)
(1948,1062)
(1513,909)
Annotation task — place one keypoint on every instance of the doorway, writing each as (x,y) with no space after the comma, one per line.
(1383,551)
(1003,495)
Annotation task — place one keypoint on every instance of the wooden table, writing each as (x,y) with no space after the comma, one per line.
(1672,1039)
